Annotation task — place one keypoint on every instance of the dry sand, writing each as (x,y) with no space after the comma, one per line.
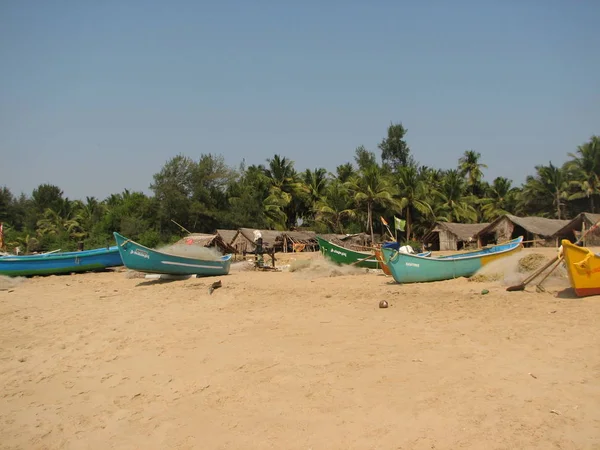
(300,359)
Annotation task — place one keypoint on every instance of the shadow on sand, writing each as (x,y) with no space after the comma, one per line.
(162,280)
(567,293)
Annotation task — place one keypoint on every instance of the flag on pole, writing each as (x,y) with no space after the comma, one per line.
(399,224)
(383,221)
(1,235)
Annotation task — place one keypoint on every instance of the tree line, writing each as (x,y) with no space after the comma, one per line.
(205,194)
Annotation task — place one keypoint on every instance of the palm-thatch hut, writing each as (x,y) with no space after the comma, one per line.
(573,229)
(452,236)
(536,231)
(298,241)
(358,241)
(227,235)
(244,241)
(207,240)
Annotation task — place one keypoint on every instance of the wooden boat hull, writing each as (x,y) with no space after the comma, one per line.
(583,269)
(407,268)
(60,263)
(383,265)
(143,259)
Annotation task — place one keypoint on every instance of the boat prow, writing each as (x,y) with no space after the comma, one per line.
(410,268)
(143,259)
(583,269)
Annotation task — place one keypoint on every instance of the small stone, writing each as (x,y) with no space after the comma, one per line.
(485,291)
(383,304)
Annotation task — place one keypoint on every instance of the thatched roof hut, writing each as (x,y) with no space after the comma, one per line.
(299,241)
(452,236)
(358,241)
(207,240)
(228,235)
(244,241)
(538,231)
(573,229)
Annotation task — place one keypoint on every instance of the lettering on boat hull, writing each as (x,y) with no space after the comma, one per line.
(140,253)
(409,264)
(333,250)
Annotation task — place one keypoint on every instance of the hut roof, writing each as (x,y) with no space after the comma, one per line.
(536,225)
(462,231)
(270,237)
(206,240)
(302,237)
(356,241)
(227,235)
(577,223)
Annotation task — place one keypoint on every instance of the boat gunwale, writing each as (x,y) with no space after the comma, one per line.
(60,256)
(223,258)
(333,244)
(514,243)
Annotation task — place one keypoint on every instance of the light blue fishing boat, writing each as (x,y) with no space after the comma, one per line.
(59,263)
(143,259)
(346,256)
(410,268)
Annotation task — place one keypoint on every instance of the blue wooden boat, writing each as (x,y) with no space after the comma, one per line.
(408,268)
(59,263)
(143,259)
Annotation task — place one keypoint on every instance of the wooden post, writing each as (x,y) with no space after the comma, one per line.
(583,231)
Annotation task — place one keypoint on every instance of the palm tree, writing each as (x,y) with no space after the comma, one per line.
(50,224)
(548,188)
(28,242)
(455,205)
(412,191)
(53,224)
(315,185)
(334,207)
(90,213)
(284,185)
(499,199)
(585,169)
(273,209)
(344,172)
(470,167)
(371,188)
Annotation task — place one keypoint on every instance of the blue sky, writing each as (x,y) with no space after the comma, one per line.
(96,96)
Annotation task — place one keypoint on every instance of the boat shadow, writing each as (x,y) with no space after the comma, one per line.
(162,279)
(567,293)
(158,281)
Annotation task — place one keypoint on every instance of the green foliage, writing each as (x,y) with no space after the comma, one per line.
(205,194)
(395,152)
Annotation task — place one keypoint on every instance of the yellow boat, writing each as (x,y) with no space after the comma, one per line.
(583,267)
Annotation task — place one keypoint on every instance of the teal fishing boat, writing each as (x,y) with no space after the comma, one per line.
(55,263)
(143,259)
(407,268)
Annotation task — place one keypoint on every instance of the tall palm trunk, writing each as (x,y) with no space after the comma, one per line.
(370,219)
(408,224)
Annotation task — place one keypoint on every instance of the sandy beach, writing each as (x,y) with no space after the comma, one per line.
(301,359)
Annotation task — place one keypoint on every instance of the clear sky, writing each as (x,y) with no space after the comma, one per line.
(95,96)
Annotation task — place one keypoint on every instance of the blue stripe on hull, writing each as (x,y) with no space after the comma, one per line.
(58,263)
